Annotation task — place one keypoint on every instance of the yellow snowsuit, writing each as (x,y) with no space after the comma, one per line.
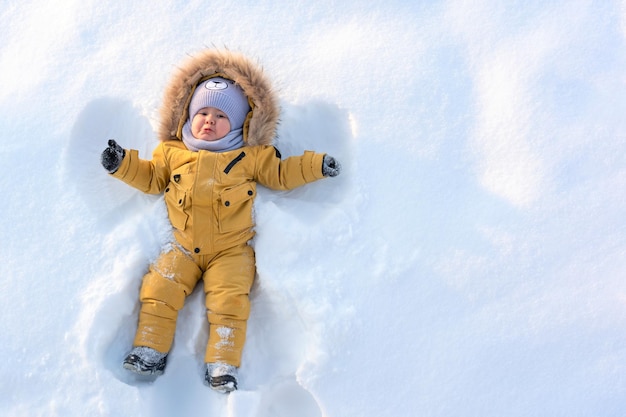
(209,198)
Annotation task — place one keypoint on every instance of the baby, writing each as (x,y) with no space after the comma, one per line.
(218,122)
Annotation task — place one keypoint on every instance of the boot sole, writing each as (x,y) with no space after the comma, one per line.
(134,364)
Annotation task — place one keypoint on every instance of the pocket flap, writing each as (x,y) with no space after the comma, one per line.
(238,194)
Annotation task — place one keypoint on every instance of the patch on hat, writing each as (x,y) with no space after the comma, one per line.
(215,85)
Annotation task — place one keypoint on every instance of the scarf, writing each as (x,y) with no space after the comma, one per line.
(233,140)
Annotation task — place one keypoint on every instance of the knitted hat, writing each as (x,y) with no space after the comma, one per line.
(223,94)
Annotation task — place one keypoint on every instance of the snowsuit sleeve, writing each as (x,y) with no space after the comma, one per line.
(148,176)
(275,173)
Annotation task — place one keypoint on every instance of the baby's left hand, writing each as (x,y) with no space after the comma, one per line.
(330,166)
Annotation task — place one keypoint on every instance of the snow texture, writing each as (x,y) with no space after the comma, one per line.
(468,261)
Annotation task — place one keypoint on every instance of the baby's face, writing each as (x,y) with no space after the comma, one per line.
(210,124)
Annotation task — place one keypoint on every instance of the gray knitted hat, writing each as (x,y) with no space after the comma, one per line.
(222,94)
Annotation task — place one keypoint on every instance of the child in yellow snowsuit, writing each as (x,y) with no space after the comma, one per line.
(218,121)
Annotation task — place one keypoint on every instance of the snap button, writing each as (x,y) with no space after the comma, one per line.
(250,192)
(227,203)
(197,250)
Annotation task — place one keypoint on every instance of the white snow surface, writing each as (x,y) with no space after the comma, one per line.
(469,261)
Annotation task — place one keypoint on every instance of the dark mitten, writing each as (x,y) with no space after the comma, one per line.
(330,166)
(112,156)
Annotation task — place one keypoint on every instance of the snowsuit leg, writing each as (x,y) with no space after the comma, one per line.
(227,282)
(172,277)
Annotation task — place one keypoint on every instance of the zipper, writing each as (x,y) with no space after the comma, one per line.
(234,162)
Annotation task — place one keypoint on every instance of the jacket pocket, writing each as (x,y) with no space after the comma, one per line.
(235,207)
(177,199)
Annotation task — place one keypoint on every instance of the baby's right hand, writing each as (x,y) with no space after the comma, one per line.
(111,157)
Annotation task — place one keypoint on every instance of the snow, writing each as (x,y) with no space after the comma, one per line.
(469,260)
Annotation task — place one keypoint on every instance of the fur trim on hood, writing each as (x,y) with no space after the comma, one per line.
(261,123)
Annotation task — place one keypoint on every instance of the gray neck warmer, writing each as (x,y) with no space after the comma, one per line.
(233,140)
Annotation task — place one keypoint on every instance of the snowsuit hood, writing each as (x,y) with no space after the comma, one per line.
(261,122)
